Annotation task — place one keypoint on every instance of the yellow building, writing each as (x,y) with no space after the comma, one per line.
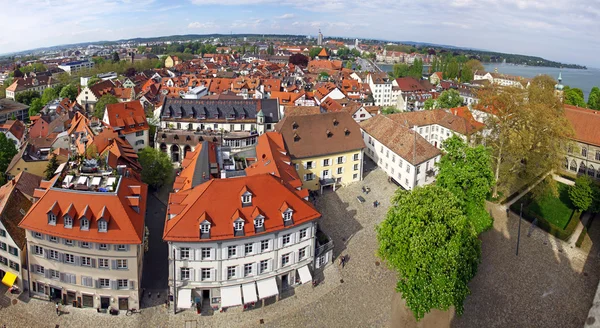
(171,61)
(34,161)
(327,149)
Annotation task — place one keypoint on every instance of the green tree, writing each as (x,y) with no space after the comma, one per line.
(69,91)
(452,69)
(141,49)
(449,99)
(594,99)
(349,64)
(399,70)
(314,51)
(416,69)
(35,107)
(343,52)
(466,74)
(466,172)
(93,80)
(527,133)
(156,167)
(101,104)
(354,52)
(8,150)
(582,194)
(573,96)
(429,104)
(49,95)
(51,167)
(389,110)
(115,57)
(26,97)
(429,241)
(323,76)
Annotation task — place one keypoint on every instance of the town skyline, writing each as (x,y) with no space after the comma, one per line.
(536,29)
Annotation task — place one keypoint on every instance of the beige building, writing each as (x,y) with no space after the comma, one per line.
(583,154)
(85,238)
(327,149)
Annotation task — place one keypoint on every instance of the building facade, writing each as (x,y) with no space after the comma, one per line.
(76,66)
(582,156)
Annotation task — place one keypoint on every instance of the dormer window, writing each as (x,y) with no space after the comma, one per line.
(85,224)
(287,216)
(296,138)
(238,225)
(102,226)
(259,221)
(247,199)
(329,134)
(295,126)
(205,228)
(335,122)
(347,132)
(51,219)
(68,222)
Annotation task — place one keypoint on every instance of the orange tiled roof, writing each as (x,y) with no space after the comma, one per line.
(586,124)
(127,117)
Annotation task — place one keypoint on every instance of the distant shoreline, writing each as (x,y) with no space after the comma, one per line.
(496,63)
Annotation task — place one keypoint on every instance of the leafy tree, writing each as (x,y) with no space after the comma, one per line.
(115,57)
(51,167)
(466,74)
(349,64)
(36,106)
(474,65)
(49,95)
(466,172)
(343,52)
(429,104)
(141,49)
(8,150)
(93,80)
(314,51)
(98,60)
(527,132)
(416,69)
(101,104)
(399,70)
(449,99)
(389,110)
(429,241)
(573,96)
(156,167)
(354,52)
(451,70)
(582,194)
(323,76)
(35,67)
(594,99)
(26,97)
(130,72)
(69,91)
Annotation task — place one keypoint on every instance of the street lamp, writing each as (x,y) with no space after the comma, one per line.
(519,232)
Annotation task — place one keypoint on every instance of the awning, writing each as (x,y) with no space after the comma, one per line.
(249,291)
(231,296)
(304,274)
(184,298)
(267,288)
(60,168)
(9,279)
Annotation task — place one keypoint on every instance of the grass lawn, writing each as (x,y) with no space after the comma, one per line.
(555,210)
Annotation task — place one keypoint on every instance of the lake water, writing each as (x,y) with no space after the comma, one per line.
(583,79)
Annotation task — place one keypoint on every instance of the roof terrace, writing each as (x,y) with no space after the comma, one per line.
(89,175)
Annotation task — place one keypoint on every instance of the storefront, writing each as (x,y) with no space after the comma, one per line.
(304,275)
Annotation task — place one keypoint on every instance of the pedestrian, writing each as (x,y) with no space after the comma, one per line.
(344,260)
(57,312)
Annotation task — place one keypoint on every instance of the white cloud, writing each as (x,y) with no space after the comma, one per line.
(204,25)
(286,16)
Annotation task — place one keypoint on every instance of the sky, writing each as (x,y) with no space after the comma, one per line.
(565,31)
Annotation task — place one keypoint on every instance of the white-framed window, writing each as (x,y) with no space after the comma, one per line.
(205,228)
(355,167)
(39,269)
(303,233)
(85,224)
(248,269)
(326,162)
(309,177)
(69,242)
(122,264)
(287,215)
(102,226)
(247,199)
(54,274)
(121,247)
(69,258)
(38,250)
(231,251)
(54,239)
(231,272)
(248,248)
(302,253)
(356,157)
(38,235)
(68,222)
(103,263)
(310,165)
(85,244)
(286,239)
(103,247)
(184,253)
(258,222)
(86,261)
(285,259)
(185,273)
(52,254)
(51,219)
(205,253)
(205,274)
(340,170)
(340,160)
(122,284)
(264,266)
(264,245)
(238,225)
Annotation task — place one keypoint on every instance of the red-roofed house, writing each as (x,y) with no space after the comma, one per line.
(241,240)
(129,120)
(583,155)
(14,131)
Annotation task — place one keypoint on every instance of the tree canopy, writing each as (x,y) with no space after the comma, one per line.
(582,193)
(314,51)
(389,110)
(574,96)
(299,60)
(69,91)
(8,150)
(429,241)
(26,97)
(35,107)
(594,99)
(101,104)
(527,133)
(49,95)
(156,167)
(51,167)
(466,172)
(447,99)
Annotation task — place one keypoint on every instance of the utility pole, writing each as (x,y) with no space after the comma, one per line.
(519,232)
(174,284)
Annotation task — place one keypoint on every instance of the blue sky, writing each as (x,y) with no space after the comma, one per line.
(559,30)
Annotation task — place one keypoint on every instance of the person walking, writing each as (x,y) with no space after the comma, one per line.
(57,312)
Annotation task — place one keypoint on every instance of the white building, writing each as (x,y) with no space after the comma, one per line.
(76,66)
(381,87)
(129,120)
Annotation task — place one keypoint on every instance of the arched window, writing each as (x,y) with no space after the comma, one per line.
(566,163)
(582,168)
(573,166)
(591,171)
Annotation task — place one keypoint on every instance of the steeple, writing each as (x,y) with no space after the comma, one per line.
(559,86)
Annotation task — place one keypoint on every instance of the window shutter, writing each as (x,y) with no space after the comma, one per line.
(213,274)
(79,243)
(64,241)
(46,253)
(322,162)
(113,264)
(31,250)
(47,237)
(77,260)
(47,273)
(32,268)
(126,265)
(98,246)
(192,253)
(115,247)
(113,284)
(91,245)
(270,265)
(344,159)
(61,257)
(96,283)
(62,277)
(192,276)
(93,263)
(73,279)
(179,274)
(198,254)
(132,284)
(127,248)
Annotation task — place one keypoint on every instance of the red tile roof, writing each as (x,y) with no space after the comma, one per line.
(586,124)
(219,202)
(126,226)
(127,117)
